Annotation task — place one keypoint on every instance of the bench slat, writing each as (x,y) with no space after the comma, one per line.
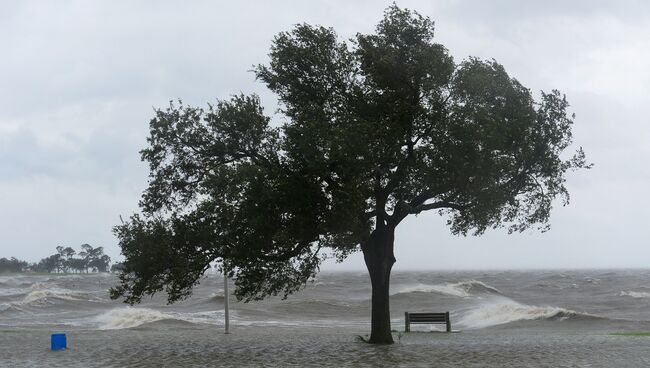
(416,316)
(427,322)
(427,317)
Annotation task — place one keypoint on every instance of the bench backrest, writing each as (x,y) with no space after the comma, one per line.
(427,317)
(442,318)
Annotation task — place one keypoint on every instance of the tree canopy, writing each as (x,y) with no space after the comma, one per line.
(373,129)
(12,265)
(63,260)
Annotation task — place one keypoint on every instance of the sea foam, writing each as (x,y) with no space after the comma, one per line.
(506,311)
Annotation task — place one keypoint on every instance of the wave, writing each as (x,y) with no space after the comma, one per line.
(11,292)
(40,298)
(636,294)
(10,307)
(463,289)
(507,311)
(43,285)
(477,286)
(128,317)
(314,303)
(13,282)
(217,295)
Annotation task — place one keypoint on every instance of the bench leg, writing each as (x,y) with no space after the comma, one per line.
(407,325)
(448,321)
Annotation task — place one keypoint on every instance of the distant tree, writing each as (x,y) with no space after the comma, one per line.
(87,255)
(66,254)
(49,264)
(77,264)
(12,265)
(117,267)
(374,130)
(101,263)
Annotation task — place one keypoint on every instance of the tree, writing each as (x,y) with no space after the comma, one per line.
(12,265)
(101,262)
(94,258)
(67,258)
(87,255)
(49,264)
(117,267)
(376,129)
(77,264)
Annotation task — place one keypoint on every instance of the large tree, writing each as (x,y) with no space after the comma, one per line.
(369,131)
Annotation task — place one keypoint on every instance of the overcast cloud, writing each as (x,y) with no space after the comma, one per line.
(79,81)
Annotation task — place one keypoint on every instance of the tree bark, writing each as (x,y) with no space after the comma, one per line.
(379,258)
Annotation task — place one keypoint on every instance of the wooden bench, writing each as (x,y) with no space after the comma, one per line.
(426,318)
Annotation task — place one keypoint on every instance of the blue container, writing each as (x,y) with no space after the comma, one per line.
(59,342)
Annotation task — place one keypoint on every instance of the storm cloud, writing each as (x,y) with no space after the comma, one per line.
(79,81)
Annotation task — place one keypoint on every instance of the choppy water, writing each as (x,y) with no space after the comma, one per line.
(521,306)
(475,299)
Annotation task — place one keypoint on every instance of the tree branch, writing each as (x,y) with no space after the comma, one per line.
(417,205)
(432,206)
(370,214)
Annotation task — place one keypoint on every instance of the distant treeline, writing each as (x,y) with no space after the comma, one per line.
(66,259)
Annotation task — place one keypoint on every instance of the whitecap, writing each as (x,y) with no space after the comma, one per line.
(476,286)
(440,289)
(461,289)
(43,285)
(636,294)
(216,295)
(506,311)
(13,281)
(129,317)
(13,292)
(39,298)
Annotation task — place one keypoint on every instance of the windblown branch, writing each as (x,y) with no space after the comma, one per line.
(418,205)
(432,206)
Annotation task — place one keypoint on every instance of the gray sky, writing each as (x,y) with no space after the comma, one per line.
(79,81)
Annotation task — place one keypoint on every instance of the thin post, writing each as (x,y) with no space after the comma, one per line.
(225,298)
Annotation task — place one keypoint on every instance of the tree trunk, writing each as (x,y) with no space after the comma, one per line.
(379,258)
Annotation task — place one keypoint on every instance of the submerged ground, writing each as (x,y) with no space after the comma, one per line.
(188,346)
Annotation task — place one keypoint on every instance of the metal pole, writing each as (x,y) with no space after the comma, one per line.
(225,298)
